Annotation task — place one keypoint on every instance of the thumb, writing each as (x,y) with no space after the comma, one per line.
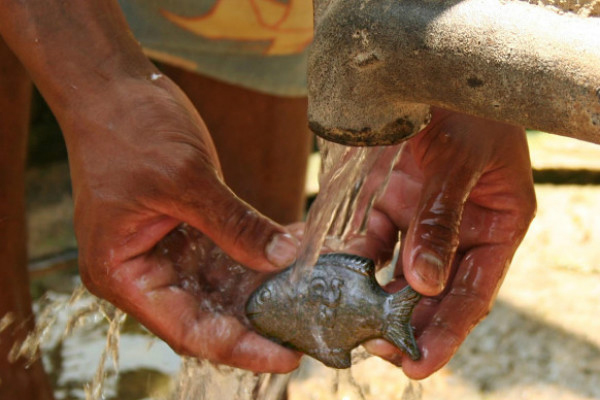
(242,232)
(433,234)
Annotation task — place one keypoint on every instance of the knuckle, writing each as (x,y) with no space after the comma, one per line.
(440,229)
(527,201)
(86,278)
(476,305)
(181,177)
(204,337)
(95,274)
(522,217)
(530,209)
(243,224)
(187,340)
(473,310)
(90,278)
(183,347)
(453,335)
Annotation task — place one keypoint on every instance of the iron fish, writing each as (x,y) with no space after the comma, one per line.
(338,306)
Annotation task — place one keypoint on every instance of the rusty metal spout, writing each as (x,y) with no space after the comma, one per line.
(376,65)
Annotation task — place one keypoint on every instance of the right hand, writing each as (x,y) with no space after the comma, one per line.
(142,164)
(462,197)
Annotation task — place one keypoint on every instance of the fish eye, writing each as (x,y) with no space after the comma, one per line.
(264,296)
(318,286)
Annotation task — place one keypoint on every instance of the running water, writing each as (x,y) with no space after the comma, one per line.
(200,379)
(53,326)
(350,179)
(340,211)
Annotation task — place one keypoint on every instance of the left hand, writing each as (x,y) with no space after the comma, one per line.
(462,197)
(143,164)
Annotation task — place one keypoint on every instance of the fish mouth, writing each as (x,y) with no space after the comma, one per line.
(250,314)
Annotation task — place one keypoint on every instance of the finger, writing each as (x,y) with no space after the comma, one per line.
(390,215)
(468,301)
(379,241)
(241,231)
(385,350)
(191,326)
(433,235)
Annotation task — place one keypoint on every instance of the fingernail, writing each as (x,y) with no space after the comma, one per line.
(281,250)
(430,270)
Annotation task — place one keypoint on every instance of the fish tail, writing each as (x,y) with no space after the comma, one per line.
(398,329)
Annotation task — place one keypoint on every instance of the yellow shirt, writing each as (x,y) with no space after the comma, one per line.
(258,44)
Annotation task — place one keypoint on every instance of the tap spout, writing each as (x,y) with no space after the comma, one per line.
(375,67)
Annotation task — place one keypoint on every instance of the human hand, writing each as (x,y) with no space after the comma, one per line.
(143,163)
(462,196)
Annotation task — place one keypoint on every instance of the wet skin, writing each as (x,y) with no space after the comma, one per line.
(462,197)
(142,163)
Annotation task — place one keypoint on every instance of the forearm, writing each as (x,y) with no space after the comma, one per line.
(72,49)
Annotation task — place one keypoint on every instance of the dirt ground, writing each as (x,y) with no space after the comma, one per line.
(542,338)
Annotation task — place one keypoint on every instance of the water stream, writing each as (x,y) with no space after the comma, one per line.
(340,211)
(337,217)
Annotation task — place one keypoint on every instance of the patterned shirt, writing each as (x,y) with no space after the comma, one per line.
(258,44)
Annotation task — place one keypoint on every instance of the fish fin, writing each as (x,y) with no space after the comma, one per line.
(334,358)
(398,330)
(362,265)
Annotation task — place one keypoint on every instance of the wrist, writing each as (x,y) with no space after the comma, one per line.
(73,50)
(123,101)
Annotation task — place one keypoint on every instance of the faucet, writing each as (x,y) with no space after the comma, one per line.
(376,66)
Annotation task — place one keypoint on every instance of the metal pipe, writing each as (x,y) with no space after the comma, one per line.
(376,65)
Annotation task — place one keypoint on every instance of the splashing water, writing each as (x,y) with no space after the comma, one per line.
(83,311)
(115,317)
(368,379)
(351,178)
(199,379)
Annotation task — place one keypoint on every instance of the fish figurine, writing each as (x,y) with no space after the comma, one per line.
(333,309)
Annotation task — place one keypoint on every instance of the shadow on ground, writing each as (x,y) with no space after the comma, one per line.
(514,348)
